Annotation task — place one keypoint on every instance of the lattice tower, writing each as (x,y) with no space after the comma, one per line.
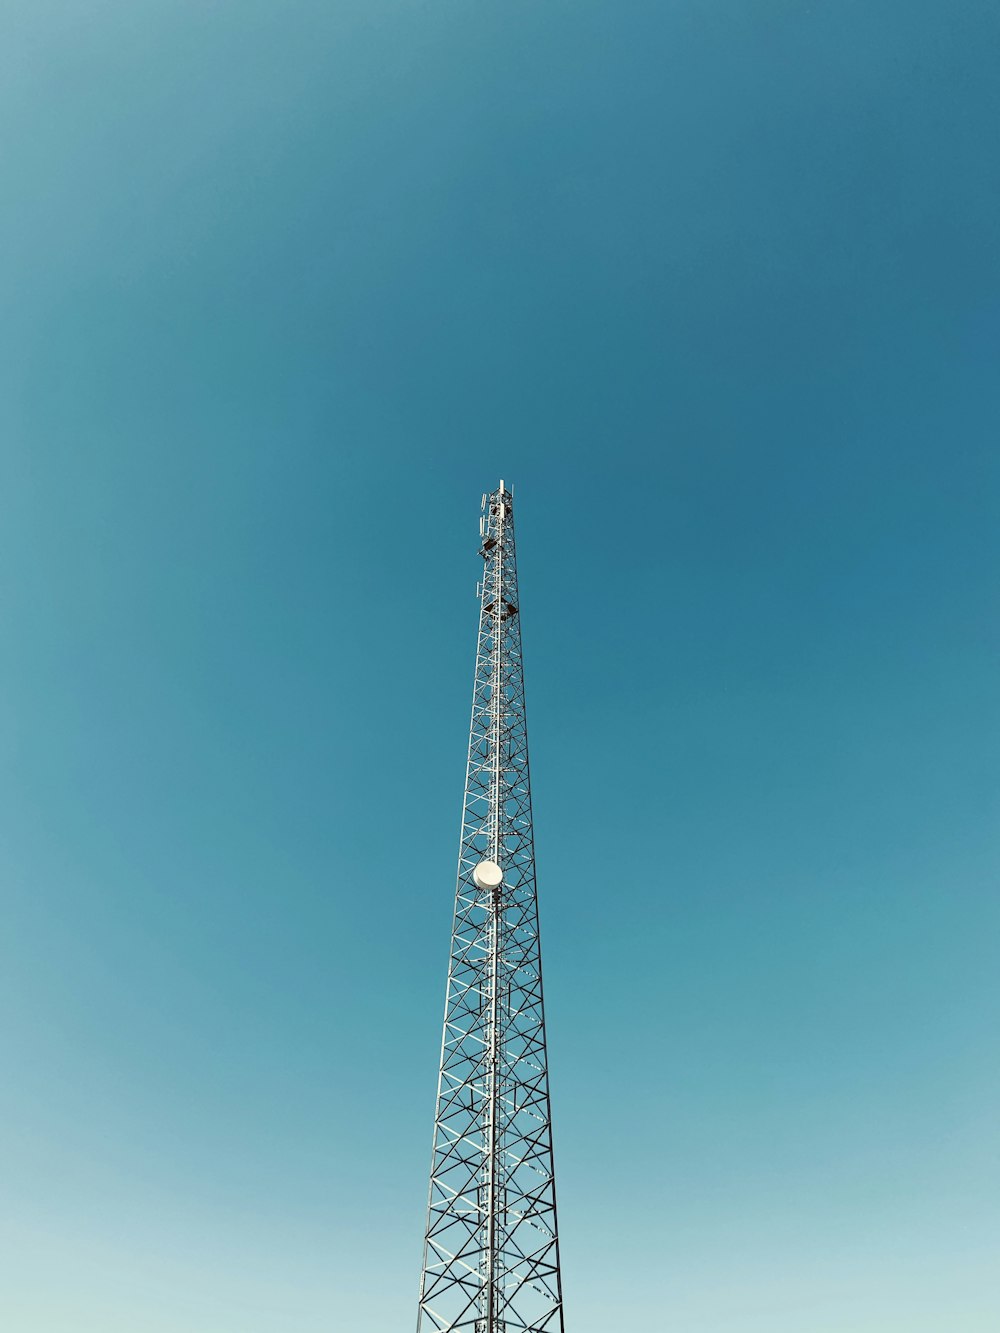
(491,1247)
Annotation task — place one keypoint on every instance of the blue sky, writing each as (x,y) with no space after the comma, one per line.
(285,287)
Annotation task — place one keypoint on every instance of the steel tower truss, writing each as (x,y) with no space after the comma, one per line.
(491,1248)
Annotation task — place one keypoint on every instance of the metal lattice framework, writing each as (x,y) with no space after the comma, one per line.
(491,1248)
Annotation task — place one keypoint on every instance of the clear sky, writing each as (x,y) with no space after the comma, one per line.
(283,288)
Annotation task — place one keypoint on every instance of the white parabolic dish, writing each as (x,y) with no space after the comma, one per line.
(487,875)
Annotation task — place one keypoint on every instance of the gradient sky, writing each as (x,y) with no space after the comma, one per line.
(284,287)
